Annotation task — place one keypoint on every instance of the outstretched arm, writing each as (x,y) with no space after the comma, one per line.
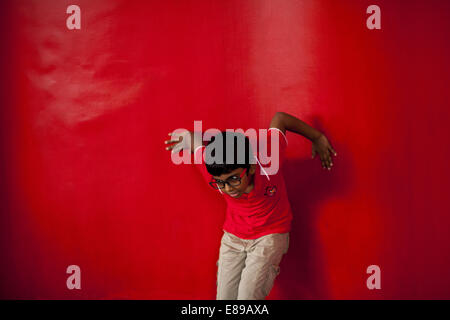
(286,122)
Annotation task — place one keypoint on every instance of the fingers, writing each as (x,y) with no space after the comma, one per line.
(325,151)
(325,164)
(326,160)
(171,147)
(333,151)
(175,140)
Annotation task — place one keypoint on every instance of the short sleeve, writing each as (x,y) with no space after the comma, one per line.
(200,164)
(273,157)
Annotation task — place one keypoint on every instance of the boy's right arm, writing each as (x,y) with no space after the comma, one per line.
(189,141)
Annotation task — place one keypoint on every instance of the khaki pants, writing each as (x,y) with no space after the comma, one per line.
(247,268)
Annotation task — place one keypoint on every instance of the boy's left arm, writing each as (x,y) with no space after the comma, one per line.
(286,122)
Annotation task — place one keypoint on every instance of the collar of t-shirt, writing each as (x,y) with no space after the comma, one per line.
(260,180)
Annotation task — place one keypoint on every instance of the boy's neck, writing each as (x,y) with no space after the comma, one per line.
(251,185)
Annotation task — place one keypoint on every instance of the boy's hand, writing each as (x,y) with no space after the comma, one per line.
(324,149)
(179,141)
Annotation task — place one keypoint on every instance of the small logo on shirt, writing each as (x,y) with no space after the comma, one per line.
(270,191)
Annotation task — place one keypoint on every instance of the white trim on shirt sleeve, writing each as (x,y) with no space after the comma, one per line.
(195,150)
(287,142)
(198,156)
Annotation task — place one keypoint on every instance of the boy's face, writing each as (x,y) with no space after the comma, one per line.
(245,186)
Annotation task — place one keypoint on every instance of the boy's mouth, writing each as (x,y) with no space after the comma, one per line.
(234,194)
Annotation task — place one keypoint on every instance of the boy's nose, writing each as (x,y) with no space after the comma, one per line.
(228,188)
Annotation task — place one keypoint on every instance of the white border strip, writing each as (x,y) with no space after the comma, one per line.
(287,142)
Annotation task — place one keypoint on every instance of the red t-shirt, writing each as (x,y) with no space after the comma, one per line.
(265,209)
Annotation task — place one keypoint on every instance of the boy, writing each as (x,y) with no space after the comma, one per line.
(258,219)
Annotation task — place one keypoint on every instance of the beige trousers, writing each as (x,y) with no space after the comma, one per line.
(247,268)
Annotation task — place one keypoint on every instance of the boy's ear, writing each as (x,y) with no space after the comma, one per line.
(252,169)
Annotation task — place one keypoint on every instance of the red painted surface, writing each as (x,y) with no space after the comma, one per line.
(86,179)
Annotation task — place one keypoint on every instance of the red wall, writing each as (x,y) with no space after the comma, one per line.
(86,179)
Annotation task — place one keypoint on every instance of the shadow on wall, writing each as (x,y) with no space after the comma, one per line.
(304,271)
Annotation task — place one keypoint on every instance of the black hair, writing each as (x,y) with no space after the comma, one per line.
(234,142)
